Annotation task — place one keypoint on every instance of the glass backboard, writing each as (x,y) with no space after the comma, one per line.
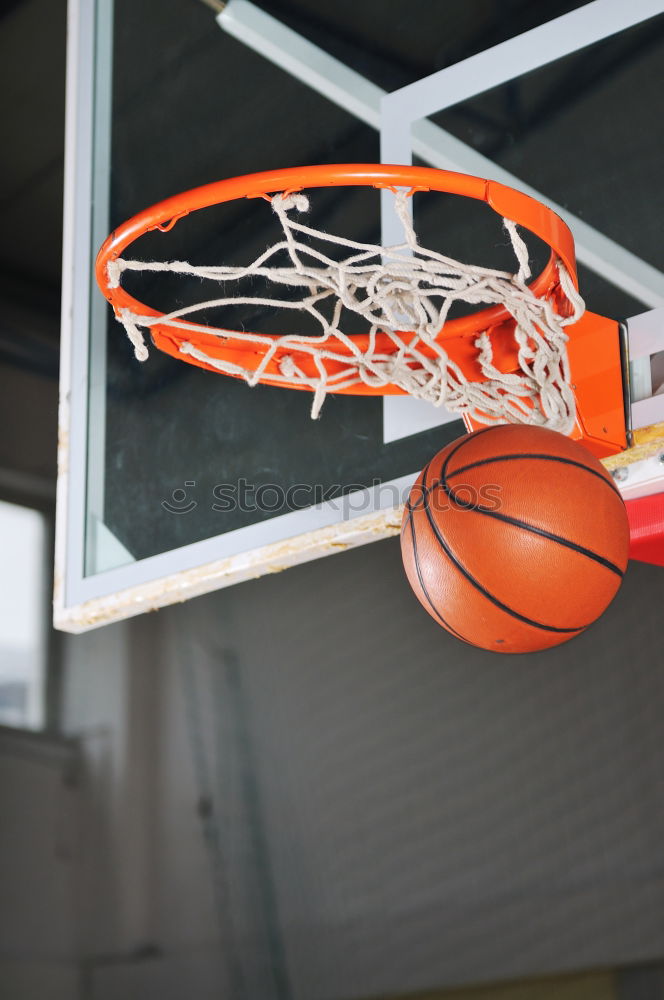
(174,481)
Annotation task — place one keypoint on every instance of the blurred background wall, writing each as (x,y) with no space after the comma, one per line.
(301,787)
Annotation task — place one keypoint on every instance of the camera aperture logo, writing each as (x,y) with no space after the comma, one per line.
(180,502)
(350,499)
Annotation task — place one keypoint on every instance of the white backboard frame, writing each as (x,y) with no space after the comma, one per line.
(82,601)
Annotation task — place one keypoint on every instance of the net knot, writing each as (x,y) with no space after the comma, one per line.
(134,334)
(114,270)
(295,200)
(287,366)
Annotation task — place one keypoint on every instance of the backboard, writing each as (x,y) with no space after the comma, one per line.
(174,481)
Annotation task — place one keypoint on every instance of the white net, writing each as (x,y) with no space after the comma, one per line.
(395,289)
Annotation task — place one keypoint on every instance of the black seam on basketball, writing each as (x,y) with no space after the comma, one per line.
(471,579)
(410,510)
(425,489)
(506,518)
(420,578)
(524,525)
(566,542)
(534,455)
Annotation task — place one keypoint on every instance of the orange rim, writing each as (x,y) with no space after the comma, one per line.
(505,201)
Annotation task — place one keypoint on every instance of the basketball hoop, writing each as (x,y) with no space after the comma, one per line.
(507,363)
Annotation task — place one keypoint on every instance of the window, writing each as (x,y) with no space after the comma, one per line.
(23,565)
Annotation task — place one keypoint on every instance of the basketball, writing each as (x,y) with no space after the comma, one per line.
(515,538)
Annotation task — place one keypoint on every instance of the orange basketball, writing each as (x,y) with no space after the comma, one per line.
(515,538)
